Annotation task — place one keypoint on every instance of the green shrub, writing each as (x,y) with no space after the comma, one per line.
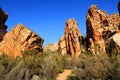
(97,68)
(48,65)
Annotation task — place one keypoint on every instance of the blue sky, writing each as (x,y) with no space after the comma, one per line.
(47,17)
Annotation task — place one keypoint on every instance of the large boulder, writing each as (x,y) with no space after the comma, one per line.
(19,39)
(97,26)
(114,44)
(70,42)
(3,27)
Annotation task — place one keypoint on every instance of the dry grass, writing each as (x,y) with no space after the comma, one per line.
(50,64)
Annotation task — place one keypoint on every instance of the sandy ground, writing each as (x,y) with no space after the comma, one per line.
(64,75)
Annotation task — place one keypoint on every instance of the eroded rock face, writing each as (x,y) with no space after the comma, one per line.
(70,42)
(114,44)
(62,45)
(114,22)
(20,39)
(3,27)
(97,26)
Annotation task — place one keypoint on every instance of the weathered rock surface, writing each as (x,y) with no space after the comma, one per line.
(62,45)
(119,7)
(3,27)
(96,27)
(51,47)
(20,39)
(114,44)
(113,22)
(70,42)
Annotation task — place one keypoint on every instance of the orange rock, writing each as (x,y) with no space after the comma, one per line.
(96,25)
(20,38)
(51,47)
(70,42)
(62,45)
(114,22)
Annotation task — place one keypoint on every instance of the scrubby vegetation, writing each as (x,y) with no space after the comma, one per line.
(97,68)
(48,65)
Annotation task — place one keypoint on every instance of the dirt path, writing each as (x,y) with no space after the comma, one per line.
(64,75)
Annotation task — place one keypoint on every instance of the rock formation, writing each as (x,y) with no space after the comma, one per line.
(3,27)
(99,24)
(20,39)
(51,47)
(70,42)
(96,28)
(113,22)
(119,7)
(62,45)
(114,44)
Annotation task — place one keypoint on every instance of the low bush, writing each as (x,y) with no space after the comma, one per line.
(97,68)
(48,65)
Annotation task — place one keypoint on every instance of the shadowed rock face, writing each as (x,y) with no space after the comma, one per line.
(119,7)
(114,44)
(70,42)
(20,39)
(3,27)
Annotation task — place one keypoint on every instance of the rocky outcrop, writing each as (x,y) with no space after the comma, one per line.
(119,7)
(113,22)
(62,45)
(19,39)
(51,47)
(70,42)
(3,27)
(97,26)
(114,44)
